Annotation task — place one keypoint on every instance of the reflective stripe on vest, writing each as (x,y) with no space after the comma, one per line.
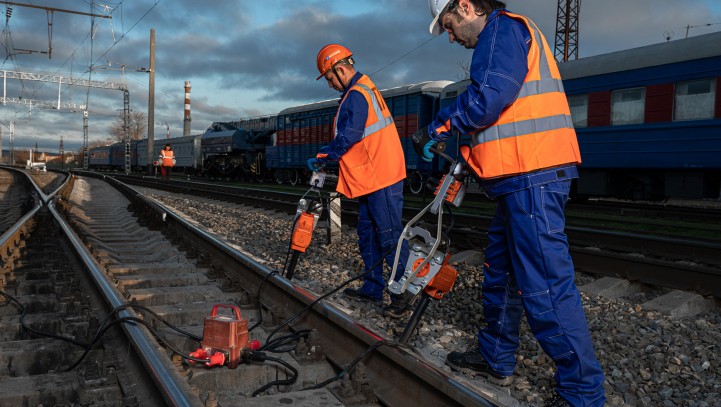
(382,121)
(524,127)
(539,112)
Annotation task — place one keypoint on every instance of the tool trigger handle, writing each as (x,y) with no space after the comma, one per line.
(439,147)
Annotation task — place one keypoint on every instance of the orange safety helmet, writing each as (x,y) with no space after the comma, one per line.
(330,55)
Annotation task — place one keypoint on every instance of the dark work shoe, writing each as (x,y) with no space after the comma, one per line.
(400,306)
(397,310)
(357,294)
(556,401)
(472,362)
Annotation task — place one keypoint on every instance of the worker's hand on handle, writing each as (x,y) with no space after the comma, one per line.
(314,164)
(423,144)
(438,148)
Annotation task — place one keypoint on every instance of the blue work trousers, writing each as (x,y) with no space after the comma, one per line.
(379,227)
(528,267)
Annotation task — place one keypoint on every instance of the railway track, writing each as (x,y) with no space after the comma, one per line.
(642,213)
(15,198)
(673,262)
(48,312)
(624,317)
(139,253)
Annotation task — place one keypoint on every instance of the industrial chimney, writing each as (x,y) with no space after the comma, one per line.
(186,119)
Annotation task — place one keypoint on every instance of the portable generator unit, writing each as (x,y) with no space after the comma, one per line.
(225,338)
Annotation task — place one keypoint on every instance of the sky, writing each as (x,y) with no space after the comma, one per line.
(252,58)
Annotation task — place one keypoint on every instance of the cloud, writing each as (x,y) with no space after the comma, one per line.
(256,58)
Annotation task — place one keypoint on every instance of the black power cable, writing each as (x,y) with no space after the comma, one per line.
(349,368)
(116,321)
(36,332)
(159,318)
(275,345)
(272,345)
(290,245)
(259,305)
(326,295)
(262,357)
(105,326)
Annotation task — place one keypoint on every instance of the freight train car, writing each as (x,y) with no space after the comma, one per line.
(117,156)
(649,120)
(186,150)
(112,157)
(99,158)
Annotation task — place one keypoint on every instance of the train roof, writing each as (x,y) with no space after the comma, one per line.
(453,89)
(428,88)
(310,106)
(180,139)
(97,148)
(432,88)
(688,49)
(223,133)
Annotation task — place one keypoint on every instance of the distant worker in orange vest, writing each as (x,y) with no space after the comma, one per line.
(372,169)
(167,161)
(524,152)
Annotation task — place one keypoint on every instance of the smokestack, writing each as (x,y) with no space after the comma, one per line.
(186,119)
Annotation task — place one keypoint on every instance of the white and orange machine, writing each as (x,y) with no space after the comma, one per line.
(427,269)
(307,215)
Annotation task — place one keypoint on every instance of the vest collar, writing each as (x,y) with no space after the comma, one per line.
(352,82)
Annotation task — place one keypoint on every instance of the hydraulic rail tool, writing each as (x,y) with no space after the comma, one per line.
(307,215)
(427,269)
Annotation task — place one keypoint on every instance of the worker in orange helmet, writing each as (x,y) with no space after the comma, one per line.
(524,153)
(372,169)
(167,161)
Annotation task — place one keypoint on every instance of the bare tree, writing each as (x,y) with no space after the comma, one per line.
(21,155)
(100,142)
(138,124)
(465,66)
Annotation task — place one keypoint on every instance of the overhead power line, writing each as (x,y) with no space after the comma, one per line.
(54,9)
(688,27)
(50,11)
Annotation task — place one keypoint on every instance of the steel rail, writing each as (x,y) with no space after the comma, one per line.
(645,258)
(10,239)
(400,376)
(173,387)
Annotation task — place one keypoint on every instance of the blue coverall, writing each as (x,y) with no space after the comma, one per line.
(380,212)
(527,261)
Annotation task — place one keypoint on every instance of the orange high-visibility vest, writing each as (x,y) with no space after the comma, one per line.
(377,160)
(167,157)
(535,131)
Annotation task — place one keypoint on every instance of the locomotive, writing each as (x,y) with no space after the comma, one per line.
(648,122)
(222,152)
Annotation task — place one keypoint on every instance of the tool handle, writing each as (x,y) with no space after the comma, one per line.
(232,307)
(439,147)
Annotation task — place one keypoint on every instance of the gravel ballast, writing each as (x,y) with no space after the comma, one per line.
(649,359)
